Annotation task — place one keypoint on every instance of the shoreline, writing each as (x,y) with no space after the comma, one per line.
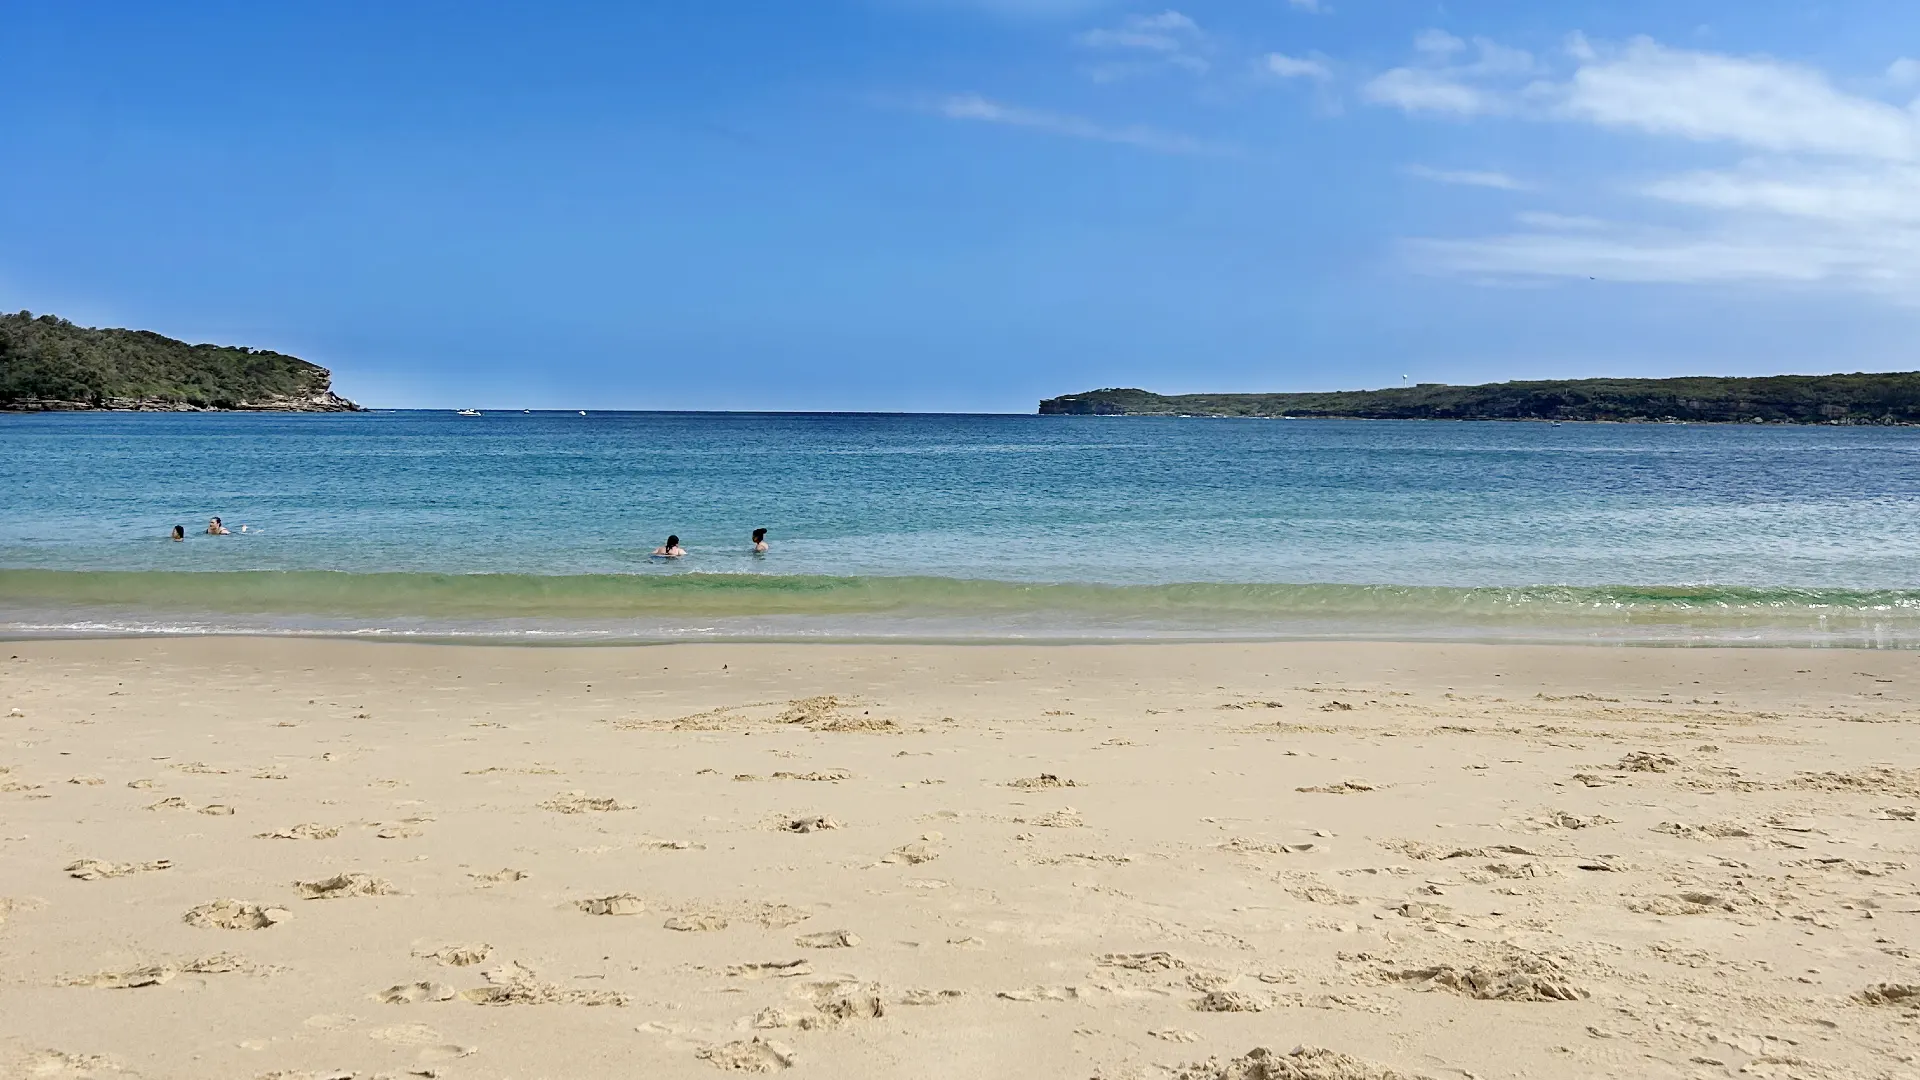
(946,862)
(651,606)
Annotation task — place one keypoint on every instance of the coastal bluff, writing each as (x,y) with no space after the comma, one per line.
(48,364)
(1882,399)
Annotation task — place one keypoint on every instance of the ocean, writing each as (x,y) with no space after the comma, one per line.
(536,527)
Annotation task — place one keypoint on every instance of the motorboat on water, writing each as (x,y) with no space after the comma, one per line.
(467,412)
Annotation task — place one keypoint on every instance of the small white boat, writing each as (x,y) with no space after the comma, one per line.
(583,412)
(467,412)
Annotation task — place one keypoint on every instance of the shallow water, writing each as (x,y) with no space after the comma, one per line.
(537,527)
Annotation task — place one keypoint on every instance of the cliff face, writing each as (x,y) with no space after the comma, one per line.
(1889,398)
(48,363)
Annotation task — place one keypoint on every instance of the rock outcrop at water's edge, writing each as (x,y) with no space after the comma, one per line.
(48,364)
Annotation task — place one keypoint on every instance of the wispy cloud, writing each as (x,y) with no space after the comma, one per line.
(1541,219)
(1141,44)
(1830,193)
(1299,67)
(1316,7)
(1467,177)
(1445,80)
(979,109)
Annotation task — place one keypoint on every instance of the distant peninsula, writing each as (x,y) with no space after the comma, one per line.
(49,364)
(1892,398)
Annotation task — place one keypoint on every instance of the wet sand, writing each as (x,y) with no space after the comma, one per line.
(301,858)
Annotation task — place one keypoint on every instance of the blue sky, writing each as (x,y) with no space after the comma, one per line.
(970,204)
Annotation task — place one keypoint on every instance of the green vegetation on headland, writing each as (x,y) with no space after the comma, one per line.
(48,363)
(1892,398)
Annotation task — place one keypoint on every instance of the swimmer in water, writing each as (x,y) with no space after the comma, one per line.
(759,541)
(179,532)
(214,528)
(669,550)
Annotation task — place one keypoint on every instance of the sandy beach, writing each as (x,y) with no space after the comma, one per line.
(310,858)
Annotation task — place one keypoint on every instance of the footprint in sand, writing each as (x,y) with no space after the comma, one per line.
(828,939)
(1141,961)
(578,802)
(1304,1062)
(160,974)
(304,831)
(499,877)
(95,869)
(806,824)
(1231,1001)
(823,776)
(236,915)
(414,993)
(53,1063)
(748,1055)
(1906,994)
(513,983)
(699,921)
(773,969)
(1041,993)
(1041,782)
(921,851)
(1344,787)
(457,955)
(832,1003)
(617,904)
(341,886)
(405,1035)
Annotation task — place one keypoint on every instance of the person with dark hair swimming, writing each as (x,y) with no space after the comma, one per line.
(759,541)
(669,550)
(214,528)
(179,532)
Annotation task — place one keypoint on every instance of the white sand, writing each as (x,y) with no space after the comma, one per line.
(1541,862)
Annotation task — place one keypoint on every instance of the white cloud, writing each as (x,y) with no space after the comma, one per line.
(1437,43)
(1313,6)
(1832,197)
(1856,195)
(973,107)
(1299,67)
(1467,177)
(1885,264)
(1166,32)
(1904,72)
(1168,39)
(1424,90)
(1709,97)
(1441,83)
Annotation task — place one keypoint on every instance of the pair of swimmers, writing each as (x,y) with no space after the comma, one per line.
(672,549)
(214,528)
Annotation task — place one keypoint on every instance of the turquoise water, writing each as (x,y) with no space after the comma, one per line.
(537,527)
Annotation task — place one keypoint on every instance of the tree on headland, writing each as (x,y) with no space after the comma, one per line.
(47,362)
